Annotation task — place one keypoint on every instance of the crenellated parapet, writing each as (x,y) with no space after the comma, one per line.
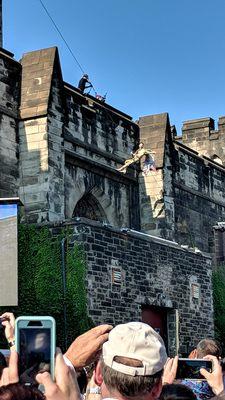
(201,135)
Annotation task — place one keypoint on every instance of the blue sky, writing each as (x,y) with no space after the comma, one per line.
(8,210)
(151,56)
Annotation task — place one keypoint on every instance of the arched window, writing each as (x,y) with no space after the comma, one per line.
(89,207)
(217,159)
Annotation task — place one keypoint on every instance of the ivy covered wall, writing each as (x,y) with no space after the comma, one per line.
(41,284)
(219,304)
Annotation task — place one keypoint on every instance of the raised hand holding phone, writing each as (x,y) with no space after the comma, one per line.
(8,321)
(170,370)
(10,373)
(35,344)
(65,386)
(215,377)
(190,368)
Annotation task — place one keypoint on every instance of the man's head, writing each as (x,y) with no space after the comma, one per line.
(132,362)
(85,76)
(141,145)
(17,391)
(206,347)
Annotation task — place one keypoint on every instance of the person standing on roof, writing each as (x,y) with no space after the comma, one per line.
(84,83)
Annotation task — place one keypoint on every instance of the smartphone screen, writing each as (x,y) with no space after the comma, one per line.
(35,353)
(35,345)
(190,368)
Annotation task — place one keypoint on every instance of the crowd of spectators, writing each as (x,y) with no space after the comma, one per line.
(127,362)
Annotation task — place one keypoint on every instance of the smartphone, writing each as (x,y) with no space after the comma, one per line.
(190,368)
(35,344)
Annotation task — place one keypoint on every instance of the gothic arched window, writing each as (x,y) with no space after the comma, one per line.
(89,207)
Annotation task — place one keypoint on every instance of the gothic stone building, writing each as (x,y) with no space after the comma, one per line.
(147,239)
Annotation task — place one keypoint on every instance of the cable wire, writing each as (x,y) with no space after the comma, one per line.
(71,52)
(66,43)
(59,32)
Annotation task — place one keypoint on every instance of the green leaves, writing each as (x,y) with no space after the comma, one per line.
(219,303)
(76,291)
(40,281)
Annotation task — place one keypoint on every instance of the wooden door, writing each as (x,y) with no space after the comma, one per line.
(156,317)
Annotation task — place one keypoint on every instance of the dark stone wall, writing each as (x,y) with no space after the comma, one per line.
(71,144)
(40,137)
(117,200)
(154,272)
(97,139)
(201,135)
(10,75)
(56,160)
(70,147)
(199,190)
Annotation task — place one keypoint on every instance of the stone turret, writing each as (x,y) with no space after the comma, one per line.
(201,136)
(156,203)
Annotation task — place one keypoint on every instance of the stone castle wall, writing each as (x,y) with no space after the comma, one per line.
(153,271)
(10,72)
(201,136)
(185,198)
(199,192)
(97,140)
(62,149)
(86,147)
(40,139)
(70,147)
(156,189)
(59,151)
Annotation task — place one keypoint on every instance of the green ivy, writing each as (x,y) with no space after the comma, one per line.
(219,303)
(40,290)
(76,299)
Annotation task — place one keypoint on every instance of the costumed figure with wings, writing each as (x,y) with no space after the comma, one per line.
(149,163)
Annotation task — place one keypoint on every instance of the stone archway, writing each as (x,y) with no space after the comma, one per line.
(89,207)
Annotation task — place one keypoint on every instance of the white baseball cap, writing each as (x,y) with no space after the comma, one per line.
(138,341)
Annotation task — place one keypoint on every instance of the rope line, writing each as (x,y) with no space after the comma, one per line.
(73,55)
(61,35)
(66,43)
